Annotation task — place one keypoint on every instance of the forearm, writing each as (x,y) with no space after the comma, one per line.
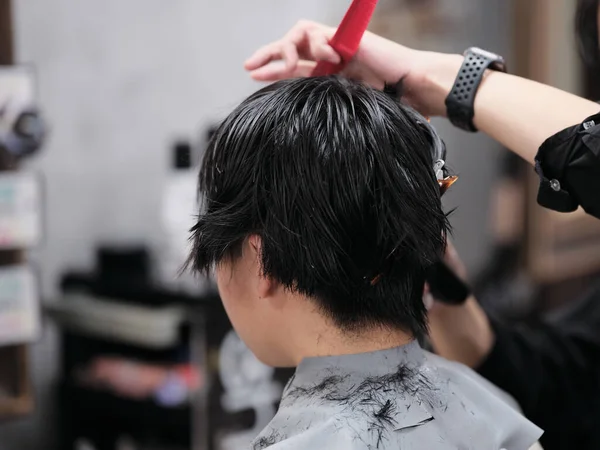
(461,333)
(519,113)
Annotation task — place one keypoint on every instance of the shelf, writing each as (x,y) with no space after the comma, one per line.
(85,408)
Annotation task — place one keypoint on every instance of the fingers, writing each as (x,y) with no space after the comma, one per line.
(290,55)
(305,41)
(319,48)
(280,71)
(264,55)
(285,48)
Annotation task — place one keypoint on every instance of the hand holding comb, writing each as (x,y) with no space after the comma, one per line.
(348,36)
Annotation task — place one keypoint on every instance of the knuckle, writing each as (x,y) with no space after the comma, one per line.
(274,47)
(313,33)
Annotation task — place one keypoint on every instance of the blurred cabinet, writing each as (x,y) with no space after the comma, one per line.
(157,367)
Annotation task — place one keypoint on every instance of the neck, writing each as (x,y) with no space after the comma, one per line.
(315,335)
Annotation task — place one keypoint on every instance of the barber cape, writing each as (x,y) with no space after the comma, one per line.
(402,398)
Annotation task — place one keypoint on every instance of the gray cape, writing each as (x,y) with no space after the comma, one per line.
(402,398)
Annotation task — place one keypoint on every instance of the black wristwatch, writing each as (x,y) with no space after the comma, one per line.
(460,103)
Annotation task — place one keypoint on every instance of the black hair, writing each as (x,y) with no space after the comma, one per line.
(337,179)
(586,25)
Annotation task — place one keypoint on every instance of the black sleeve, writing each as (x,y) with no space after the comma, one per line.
(554,377)
(568,165)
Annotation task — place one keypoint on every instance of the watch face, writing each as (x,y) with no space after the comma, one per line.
(484,53)
(498,60)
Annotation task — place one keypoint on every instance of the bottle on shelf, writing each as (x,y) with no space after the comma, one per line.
(179,209)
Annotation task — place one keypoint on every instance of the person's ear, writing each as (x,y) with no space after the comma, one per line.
(266,285)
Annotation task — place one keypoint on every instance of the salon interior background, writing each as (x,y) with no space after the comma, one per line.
(119,80)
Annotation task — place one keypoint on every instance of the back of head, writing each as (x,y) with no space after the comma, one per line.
(337,180)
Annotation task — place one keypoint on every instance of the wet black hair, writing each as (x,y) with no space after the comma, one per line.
(337,179)
(586,25)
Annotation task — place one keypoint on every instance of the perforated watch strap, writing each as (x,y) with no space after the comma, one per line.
(460,103)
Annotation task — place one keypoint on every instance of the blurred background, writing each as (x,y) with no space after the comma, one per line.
(106,107)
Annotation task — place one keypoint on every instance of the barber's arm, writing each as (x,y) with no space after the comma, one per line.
(525,116)
(556,131)
(552,371)
(552,375)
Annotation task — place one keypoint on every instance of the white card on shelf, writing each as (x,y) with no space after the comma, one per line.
(19,305)
(20,210)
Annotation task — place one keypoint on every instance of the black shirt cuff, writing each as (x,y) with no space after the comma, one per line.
(568,165)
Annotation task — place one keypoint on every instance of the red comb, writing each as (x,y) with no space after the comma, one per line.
(348,36)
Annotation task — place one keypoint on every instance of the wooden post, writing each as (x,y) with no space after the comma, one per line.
(16,396)
(6,33)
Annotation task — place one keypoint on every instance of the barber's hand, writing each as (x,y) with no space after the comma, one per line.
(460,332)
(427,76)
